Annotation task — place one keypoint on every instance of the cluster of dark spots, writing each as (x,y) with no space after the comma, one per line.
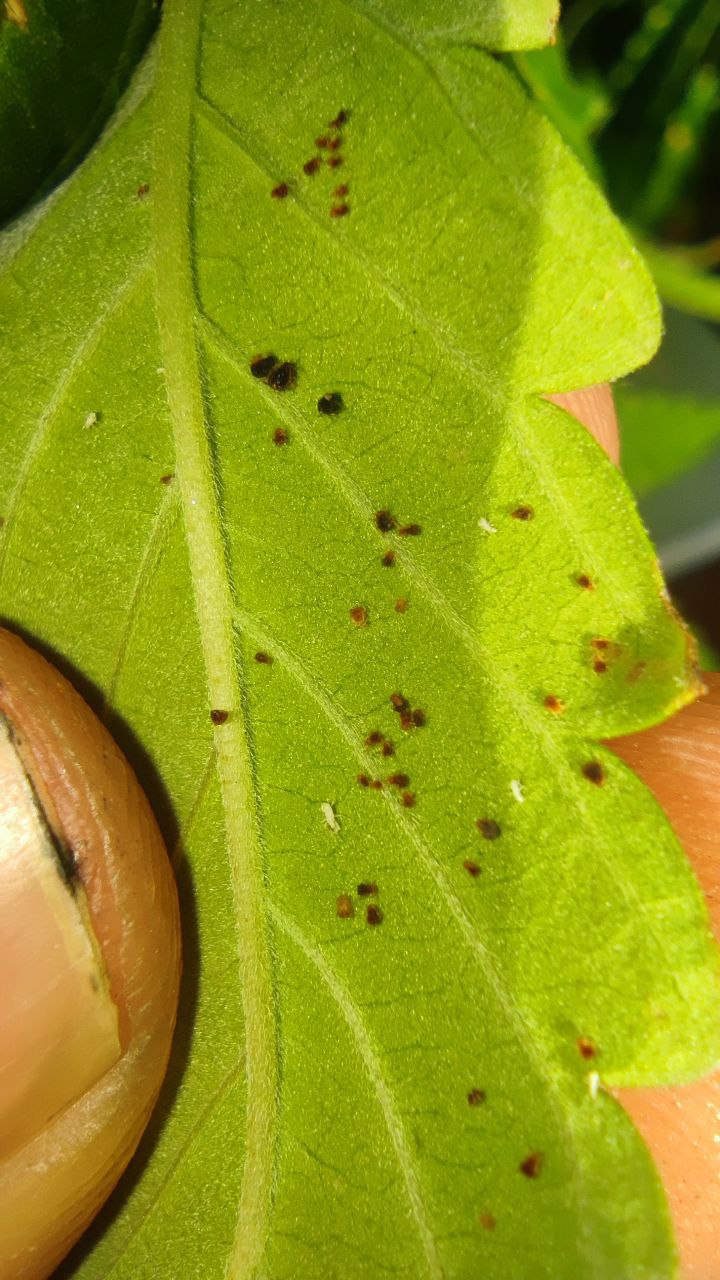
(532,1164)
(341,191)
(385,521)
(475,1097)
(401,605)
(311,166)
(167,479)
(373,914)
(489,829)
(280,191)
(586,1048)
(410,531)
(280,436)
(584,581)
(523,513)
(261,366)
(367,889)
(344,906)
(400,780)
(331,403)
(263,658)
(283,377)
(410,718)
(554,704)
(487,1221)
(594,772)
(143,190)
(359,615)
(387,560)
(471,867)
(408,799)
(218,716)
(339,210)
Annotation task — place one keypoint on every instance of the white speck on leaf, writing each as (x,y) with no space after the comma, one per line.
(593,1084)
(517,791)
(91,420)
(328,814)
(486,526)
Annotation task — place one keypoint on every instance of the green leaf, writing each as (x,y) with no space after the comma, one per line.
(62,69)
(318,1120)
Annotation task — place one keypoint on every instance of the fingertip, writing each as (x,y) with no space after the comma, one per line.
(595,409)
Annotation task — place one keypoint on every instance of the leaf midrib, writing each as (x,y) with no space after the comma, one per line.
(207,553)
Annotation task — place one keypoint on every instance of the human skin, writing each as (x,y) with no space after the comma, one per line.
(680,761)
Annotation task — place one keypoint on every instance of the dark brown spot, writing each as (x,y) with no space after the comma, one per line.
(406,721)
(344,906)
(373,914)
(341,118)
(532,1164)
(471,867)
(339,210)
(489,829)
(280,436)
(263,658)
(594,772)
(418,717)
(399,702)
(283,377)
(330,403)
(388,748)
(335,161)
(554,704)
(335,143)
(410,531)
(487,1221)
(475,1097)
(167,479)
(367,889)
(142,190)
(260,366)
(388,559)
(341,191)
(399,780)
(321,143)
(376,784)
(408,799)
(363,780)
(311,166)
(374,739)
(586,1048)
(600,644)
(385,521)
(523,513)
(359,615)
(401,605)
(280,191)
(585,582)
(600,667)
(219,717)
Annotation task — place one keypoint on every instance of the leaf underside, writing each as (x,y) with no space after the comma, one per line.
(159,539)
